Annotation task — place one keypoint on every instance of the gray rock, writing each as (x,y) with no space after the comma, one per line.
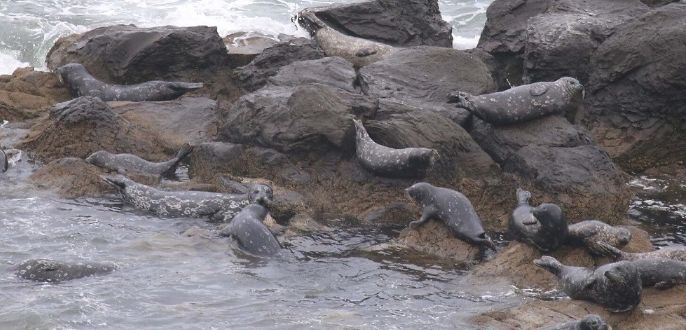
(331,71)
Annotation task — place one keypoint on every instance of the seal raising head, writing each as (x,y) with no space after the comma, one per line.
(543,226)
(251,233)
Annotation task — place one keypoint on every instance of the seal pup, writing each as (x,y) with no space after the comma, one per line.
(81,83)
(128,162)
(251,234)
(670,252)
(522,103)
(592,232)
(194,204)
(589,322)
(661,273)
(4,164)
(385,161)
(617,286)
(44,270)
(543,226)
(451,207)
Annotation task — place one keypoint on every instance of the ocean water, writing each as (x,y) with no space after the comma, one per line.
(29,28)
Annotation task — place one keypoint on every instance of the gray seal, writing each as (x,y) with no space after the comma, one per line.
(251,234)
(451,207)
(543,226)
(670,252)
(522,103)
(385,161)
(661,273)
(128,162)
(81,83)
(192,204)
(589,322)
(4,164)
(43,270)
(592,232)
(617,286)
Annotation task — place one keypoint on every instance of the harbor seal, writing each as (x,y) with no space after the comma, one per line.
(617,286)
(44,270)
(81,83)
(591,232)
(193,204)
(4,164)
(669,252)
(451,207)
(543,226)
(661,273)
(385,161)
(251,234)
(128,162)
(522,103)
(589,322)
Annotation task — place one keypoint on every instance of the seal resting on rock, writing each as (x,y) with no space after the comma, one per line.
(252,235)
(451,207)
(670,252)
(543,226)
(81,83)
(617,286)
(661,273)
(128,162)
(44,270)
(385,161)
(589,322)
(522,103)
(592,232)
(4,164)
(194,204)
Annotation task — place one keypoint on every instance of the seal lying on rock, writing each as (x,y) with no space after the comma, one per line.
(522,103)
(385,161)
(81,83)
(661,273)
(193,204)
(592,232)
(543,226)
(129,162)
(590,322)
(670,252)
(251,233)
(4,164)
(451,207)
(617,286)
(43,270)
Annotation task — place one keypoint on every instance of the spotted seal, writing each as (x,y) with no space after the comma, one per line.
(617,286)
(592,232)
(385,161)
(44,270)
(589,322)
(669,252)
(451,207)
(522,103)
(81,83)
(193,204)
(661,273)
(543,226)
(251,234)
(4,164)
(129,162)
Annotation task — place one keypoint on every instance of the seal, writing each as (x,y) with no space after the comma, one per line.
(251,234)
(385,161)
(669,252)
(543,226)
(591,232)
(522,103)
(81,83)
(128,162)
(451,207)
(44,270)
(193,204)
(4,164)
(617,286)
(589,322)
(661,273)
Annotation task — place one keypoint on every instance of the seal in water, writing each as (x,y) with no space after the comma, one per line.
(669,252)
(43,270)
(590,322)
(358,51)
(195,204)
(128,162)
(661,273)
(4,164)
(617,286)
(451,207)
(251,233)
(81,83)
(543,226)
(385,161)
(592,232)
(522,103)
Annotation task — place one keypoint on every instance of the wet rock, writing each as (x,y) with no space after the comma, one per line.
(435,238)
(658,3)
(44,270)
(396,213)
(243,47)
(27,93)
(332,71)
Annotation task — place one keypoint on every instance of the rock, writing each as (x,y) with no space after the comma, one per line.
(331,71)
(243,47)
(658,3)
(435,238)
(27,93)
(393,214)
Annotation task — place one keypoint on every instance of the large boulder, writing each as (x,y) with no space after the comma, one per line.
(332,71)
(27,93)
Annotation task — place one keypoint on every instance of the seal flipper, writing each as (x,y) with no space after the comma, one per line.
(523,197)
(4,164)
(427,213)
(550,264)
(610,251)
(184,86)
(365,52)
(180,155)
(462,100)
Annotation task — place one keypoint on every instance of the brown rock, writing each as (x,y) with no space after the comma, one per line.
(435,238)
(27,93)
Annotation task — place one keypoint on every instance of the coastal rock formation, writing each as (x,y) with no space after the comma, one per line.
(27,93)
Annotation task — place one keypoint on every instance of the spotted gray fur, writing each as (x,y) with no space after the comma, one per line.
(81,83)
(128,162)
(661,273)
(589,322)
(543,226)
(669,252)
(43,270)
(252,235)
(592,232)
(4,164)
(616,286)
(522,103)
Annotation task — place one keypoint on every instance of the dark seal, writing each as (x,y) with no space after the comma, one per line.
(543,226)
(385,161)
(128,162)
(661,273)
(251,234)
(589,322)
(4,163)
(81,83)
(522,103)
(592,232)
(669,252)
(451,207)
(43,270)
(617,286)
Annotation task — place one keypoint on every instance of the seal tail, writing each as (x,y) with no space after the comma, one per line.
(462,100)
(610,251)
(185,150)
(186,86)
(523,196)
(550,264)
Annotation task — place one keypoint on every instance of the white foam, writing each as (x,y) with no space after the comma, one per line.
(9,62)
(460,42)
